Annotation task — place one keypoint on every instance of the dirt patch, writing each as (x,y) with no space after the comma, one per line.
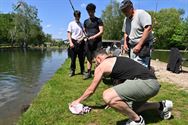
(164,75)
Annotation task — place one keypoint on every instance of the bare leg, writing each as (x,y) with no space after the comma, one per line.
(112,99)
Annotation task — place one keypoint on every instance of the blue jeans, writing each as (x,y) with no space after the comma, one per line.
(144,61)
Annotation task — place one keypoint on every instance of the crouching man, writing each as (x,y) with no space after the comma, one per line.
(130,97)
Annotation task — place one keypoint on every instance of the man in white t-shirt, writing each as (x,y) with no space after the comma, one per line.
(137,28)
(75,33)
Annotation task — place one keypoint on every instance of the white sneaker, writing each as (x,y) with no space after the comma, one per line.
(130,122)
(167,107)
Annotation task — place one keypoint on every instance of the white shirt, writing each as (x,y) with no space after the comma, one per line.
(75,30)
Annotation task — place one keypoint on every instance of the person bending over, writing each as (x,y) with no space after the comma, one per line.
(129,97)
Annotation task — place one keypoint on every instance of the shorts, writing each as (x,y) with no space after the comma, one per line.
(136,92)
(91,47)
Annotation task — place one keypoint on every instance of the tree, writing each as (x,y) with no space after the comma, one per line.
(6,23)
(168,28)
(36,35)
(48,39)
(26,18)
(185,33)
(11,31)
(113,21)
(21,27)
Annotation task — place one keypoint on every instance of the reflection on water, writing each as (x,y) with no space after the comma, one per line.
(22,73)
(7,90)
(164,56)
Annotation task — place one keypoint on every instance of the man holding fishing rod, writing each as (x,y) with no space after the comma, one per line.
(75,33)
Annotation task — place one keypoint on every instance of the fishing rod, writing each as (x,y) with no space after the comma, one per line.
(71,5)
(83,37)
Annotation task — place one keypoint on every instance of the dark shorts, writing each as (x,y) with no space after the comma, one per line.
(91,47)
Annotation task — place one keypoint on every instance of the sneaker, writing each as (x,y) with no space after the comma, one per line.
(130,122)
(82,72)
(86,76)
(167,107)
(71,73)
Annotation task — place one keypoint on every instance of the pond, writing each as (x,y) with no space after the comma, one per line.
(22,73)
(164,56)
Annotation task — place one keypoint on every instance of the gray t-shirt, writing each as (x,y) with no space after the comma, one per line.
(134,27)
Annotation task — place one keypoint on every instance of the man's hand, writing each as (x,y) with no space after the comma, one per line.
(137,48)
(75,102)
(125,47)
(91,38)
(71,45)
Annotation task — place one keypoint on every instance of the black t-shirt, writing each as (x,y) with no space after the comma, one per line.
(92,26)
(126,68)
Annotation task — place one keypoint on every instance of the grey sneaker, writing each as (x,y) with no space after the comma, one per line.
(130,122)
(86,76)
(167,107)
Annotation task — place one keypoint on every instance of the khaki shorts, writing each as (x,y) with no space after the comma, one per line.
(137,92)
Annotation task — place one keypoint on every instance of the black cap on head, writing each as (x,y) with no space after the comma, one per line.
(90,6)
(125,3)
(77,13)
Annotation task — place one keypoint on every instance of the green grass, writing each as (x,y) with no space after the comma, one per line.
(50,107)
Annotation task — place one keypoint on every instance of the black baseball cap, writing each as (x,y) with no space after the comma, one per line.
(124,4)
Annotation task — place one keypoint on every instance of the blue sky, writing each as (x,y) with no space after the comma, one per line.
(56,14)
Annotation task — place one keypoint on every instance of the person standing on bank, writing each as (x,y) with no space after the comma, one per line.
(137,28)
(94,30)
(129,97)
(74,33)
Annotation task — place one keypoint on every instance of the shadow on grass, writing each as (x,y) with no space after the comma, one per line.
(97,106)
(79,73)
(149,117)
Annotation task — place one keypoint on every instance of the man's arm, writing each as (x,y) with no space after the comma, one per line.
(70,39)
(101,30)
(125,42)
(91,89)
(146,32)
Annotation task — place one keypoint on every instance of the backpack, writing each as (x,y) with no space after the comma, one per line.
(174,61)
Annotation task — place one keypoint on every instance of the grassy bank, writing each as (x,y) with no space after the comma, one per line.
(50,107)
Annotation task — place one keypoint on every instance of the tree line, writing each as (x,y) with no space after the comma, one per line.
(169,27)
(22,27)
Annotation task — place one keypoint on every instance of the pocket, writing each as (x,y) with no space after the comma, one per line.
(145,51)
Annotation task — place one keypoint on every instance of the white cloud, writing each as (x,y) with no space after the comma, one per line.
(119,0)
(48,25)
(83,5)
(60,34)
